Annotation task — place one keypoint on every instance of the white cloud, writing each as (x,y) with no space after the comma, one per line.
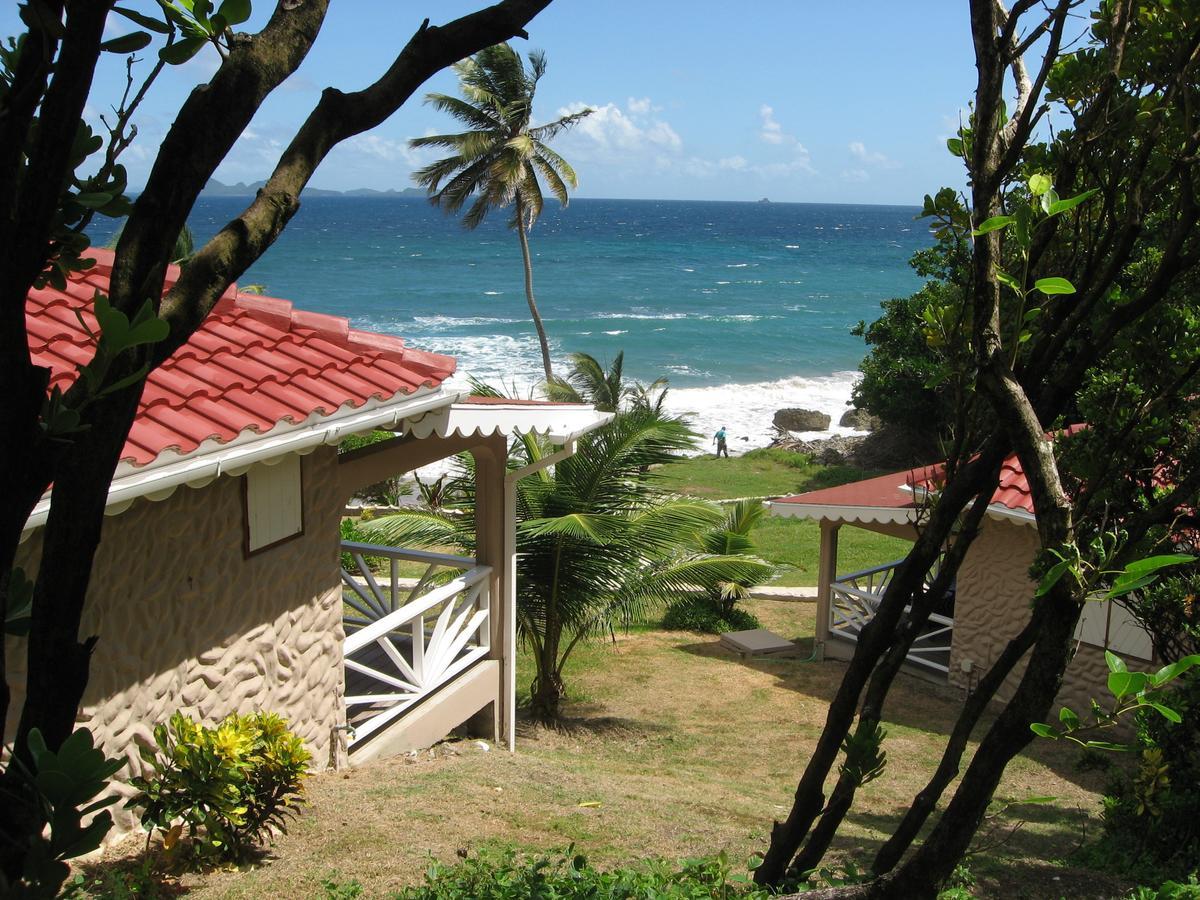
(609,132)
(382,148)
(772,131)
(871,158)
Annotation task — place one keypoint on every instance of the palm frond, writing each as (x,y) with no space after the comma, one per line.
(551,130)
(421,529)
(478,117)
(560,390)
(531,197)
(557,188)
(589,528)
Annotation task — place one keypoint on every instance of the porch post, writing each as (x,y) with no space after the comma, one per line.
(826,575)
(508,598)
(490,512)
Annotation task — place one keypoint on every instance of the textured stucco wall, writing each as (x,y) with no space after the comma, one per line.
(187,622)
(993,604)
(992,600)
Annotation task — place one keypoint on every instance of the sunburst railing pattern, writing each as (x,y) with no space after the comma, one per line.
(403,643)
(854,599)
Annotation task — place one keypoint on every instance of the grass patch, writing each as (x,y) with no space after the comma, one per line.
(768,472)
(797,543)
(771,472)
(674,748)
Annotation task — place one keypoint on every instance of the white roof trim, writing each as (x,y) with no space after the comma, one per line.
(159,479)
(883,515)
(875,515)
(343,414)
(560,423)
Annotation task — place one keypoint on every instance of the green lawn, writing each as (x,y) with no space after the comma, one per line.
(797,543)
(793,542)
(759,473)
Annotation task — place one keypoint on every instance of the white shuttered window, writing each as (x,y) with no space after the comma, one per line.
(273,503)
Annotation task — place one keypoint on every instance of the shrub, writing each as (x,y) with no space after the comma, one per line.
(58,791)
(358,441)
(1170,890)
(225,787)
(501,875)
(1150,822)
(707,616)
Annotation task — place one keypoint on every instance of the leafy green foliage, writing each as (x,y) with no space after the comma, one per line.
(358,441)
(1132,693)
(124,881)
(905,374)
(504,875)
(599,542)
(1150,824)
(59,791)
(1169,890)
(865,757)
(706,616)
(199,25)
(226,786)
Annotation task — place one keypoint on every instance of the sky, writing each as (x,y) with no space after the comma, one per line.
(793,100)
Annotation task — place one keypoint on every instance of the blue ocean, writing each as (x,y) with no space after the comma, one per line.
(744,307)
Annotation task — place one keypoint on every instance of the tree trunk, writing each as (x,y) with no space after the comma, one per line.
(925,801)
(547,689)
(874,641)
(543,343)
(945,846)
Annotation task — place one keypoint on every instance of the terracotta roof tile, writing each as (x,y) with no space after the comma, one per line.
(255,362)
(887,491)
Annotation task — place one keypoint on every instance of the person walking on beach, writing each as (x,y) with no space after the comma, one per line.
(719,437)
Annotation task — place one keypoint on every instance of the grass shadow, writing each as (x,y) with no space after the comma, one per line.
(581,725)
(913,703)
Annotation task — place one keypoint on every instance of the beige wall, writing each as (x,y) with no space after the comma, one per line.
(993,604)
(187,622)
(992,600)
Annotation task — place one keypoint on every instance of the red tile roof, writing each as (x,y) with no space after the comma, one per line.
(254,363)
(888,491)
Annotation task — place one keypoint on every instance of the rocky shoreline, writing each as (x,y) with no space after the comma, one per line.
(882,448)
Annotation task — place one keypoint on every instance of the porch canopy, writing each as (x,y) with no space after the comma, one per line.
(888,504)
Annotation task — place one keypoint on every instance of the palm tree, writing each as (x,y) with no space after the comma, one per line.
(607,390)
(502,159)
(598,543)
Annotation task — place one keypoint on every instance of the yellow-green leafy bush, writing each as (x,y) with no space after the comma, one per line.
(225,788)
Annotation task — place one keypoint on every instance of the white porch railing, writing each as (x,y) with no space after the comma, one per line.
(854,599)
(402,644)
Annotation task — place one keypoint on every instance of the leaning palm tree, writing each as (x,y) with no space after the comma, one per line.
(598,543)
(502,160)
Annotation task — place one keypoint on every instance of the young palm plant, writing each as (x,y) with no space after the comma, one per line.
(502,159)
(599,544)
(606,389)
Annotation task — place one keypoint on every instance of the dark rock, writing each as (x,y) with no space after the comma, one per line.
(887,448)
(801,420)
(859,420)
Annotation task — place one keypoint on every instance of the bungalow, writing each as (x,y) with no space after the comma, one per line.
(992,595)
(217,585)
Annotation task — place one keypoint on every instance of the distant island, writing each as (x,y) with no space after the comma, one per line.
(216,188)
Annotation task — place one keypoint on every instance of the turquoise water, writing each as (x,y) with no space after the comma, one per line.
(745,307)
